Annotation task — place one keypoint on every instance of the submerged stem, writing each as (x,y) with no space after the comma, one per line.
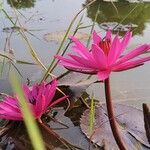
(111,116)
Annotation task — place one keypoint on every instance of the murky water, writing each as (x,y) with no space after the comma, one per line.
(52,18)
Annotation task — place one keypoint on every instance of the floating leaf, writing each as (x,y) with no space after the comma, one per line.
(130,122)
(58,36)
(77,83)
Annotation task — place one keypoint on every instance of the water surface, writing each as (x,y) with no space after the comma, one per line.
(40,17)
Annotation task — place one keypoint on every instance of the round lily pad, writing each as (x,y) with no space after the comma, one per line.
(130,122)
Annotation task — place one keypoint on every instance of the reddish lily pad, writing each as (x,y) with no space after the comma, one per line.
(130,122)
(77,83)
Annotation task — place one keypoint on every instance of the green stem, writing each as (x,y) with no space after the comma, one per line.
(111,116)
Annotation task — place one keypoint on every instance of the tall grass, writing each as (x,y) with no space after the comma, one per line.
(31,125)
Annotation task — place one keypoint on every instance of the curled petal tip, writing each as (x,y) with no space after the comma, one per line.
(94,32)
(58,57)
(54,82)
(73,38)
(128,33)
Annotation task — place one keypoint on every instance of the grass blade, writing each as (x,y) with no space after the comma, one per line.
(92,116)
(93,25)
(29,120)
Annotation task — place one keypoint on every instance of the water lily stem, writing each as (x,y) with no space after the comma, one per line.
(111,116)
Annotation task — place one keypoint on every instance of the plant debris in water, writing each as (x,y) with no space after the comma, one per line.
(115,26)
(13,29)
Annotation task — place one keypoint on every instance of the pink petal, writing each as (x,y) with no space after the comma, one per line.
(84,62)
(68,61)
(27,92)
(108,35)
(51,93)
(74,67)
(10,117)
(68,65)
(131,64)
(26,89)
(102,75)
(9,112)
(134,53)
(35,90)
(11,100)
(11,104)
(124,43)
(40,101)
(71,64)
(35,112)
(58,101)
(80,48)
(96,38)
(83,70)
(99,56)
(126,40)
(114,50)
(8,108)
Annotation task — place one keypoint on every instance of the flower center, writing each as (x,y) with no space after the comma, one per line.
(105,46)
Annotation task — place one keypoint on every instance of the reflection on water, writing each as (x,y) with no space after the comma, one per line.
(109,16)
(21,3)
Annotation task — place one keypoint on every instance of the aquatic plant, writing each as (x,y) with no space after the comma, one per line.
(104,57)
(39,98)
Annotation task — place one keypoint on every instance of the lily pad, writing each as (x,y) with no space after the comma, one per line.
(76,84)
(58,36)
(130,122)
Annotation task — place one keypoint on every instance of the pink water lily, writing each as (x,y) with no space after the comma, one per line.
(105,55)
(39,97)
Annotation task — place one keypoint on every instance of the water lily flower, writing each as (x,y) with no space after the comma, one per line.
(39,97)
(105,55)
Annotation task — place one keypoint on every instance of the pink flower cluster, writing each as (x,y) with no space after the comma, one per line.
(39,97)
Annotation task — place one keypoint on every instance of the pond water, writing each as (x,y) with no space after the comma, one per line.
(45,23)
